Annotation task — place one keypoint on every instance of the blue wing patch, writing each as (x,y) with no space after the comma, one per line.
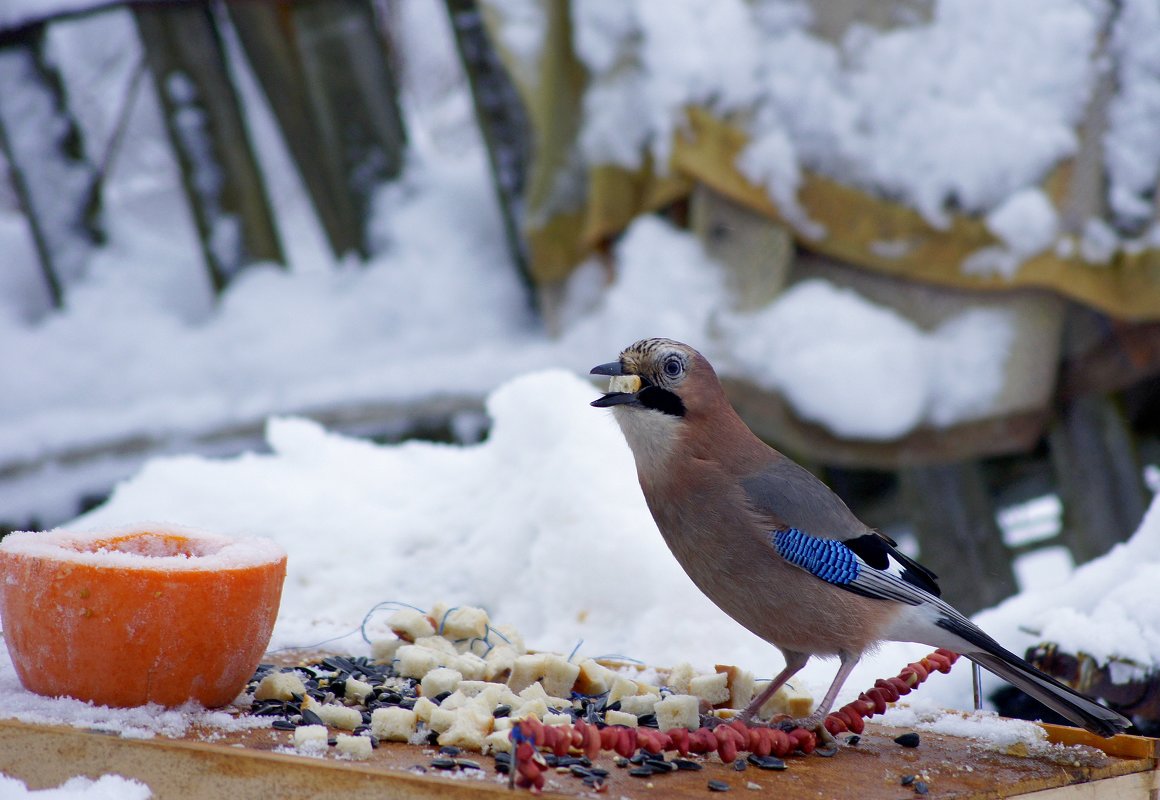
(827,559)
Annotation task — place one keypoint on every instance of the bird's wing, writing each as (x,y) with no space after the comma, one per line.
(807,515)
(853,565)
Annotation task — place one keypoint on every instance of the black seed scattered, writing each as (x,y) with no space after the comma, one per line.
(464,763)
(503,758)
(766,762)
(599,772)
(739,765)
(443,763)
(920,787)
(501,711)
(449,750)
(641,772)
(686,764)
(659,764)
(907,740)
(594,782)
(579,771)
(638,757)
(567,761)
(718,786)
(439,698)
(390,698)
(433,737)
(551,759)
(612,706)
(338,687)
(374,742)
(310,718)
(620,761)
(284,725)
(503,767)
(907,780)
(332,741)
(361,729)
(647,721)
(853,739)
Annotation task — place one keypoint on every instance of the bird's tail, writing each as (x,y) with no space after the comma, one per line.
(988,653)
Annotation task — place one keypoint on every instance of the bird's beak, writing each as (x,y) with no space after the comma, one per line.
(621,388)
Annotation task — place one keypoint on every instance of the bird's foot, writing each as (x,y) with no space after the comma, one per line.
(816,724)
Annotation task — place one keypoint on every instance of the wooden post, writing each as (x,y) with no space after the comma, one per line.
(1099,476)
(325,71)
(958,535)
(204,120)
(57,187)
(756,251)
(502,121)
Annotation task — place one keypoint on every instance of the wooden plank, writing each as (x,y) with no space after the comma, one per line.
(57,188)
(324,70)
(502,121)
(241,765)
(203,118)
(1122,745)
(1140,785)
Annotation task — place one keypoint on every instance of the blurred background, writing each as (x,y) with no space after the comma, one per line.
(919,239)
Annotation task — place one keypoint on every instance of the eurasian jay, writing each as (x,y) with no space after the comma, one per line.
(779,552)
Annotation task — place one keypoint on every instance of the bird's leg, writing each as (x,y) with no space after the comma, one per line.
(793,664)
(816,720)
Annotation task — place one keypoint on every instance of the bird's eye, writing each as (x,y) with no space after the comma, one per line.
(673,366)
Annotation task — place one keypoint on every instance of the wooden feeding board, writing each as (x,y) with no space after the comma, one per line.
(210,763)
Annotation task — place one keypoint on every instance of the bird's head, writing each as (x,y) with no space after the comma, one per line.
(653,375)
(662,392)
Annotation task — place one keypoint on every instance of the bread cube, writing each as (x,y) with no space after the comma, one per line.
(338,716)
(441,719)
(509,636)
(497,742)
(679,677)
(552,718)
(528,708)
(280,686)
(471,666)
(714,689)
(556,673)
(383,650)
(357,690)
(311,738)
(465,622)
(440,680)
(357,748)
(621,718)
(679,711)
(415,662)
(788,700)
(438,644)
(639,704)
(393,724)
(424,708)
(621,688)
(594,678)
(410,624)
(498,662)
(740,683)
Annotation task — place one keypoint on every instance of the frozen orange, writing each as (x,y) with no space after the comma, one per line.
(154,614)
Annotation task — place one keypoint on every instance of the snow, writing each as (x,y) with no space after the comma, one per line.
(865,371)
(144,545)
(106,787)
(956,113)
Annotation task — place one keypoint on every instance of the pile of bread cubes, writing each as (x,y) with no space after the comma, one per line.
(475,681)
